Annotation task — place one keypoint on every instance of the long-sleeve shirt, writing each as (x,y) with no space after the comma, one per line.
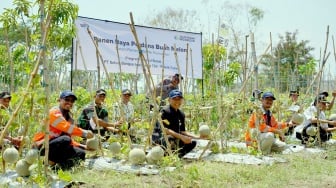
(261,120)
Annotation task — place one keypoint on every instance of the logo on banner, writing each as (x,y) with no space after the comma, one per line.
(184,38)
(84,25)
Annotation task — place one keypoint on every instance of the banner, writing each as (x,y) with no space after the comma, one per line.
(108,35)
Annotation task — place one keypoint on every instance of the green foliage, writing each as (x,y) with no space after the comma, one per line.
(289,58)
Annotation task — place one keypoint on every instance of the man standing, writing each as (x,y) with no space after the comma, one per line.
(63,150)
(263,127)
(163,88)
(95,114)
(174,123)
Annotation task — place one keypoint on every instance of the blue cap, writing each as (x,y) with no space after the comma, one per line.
(268,95)
(175,93)
(67,93)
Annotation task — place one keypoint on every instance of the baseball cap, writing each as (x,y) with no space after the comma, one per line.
(256,93)
(100,92)
(325,93)
(5,94)
(175,93)
(67,93)
(268,95)
(322,98)
(178,75)
(126,92)
(294,93)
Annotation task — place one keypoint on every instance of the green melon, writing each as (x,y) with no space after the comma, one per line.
(311,131)
(92,143)
(10,155)
(31,156)
(204,131)
(22,168)
(298,118)
(156,153)
(115,147)
(137,156)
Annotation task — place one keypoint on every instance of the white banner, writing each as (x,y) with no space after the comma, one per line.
(106,32)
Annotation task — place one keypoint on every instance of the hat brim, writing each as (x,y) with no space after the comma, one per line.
(6,96)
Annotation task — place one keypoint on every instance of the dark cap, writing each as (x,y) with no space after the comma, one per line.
(126,92)
(100,92)
(256,93)
(322,98)
(5,94)
(178,75)
(67,93)
(325,93)
(294,93)
(268,95)
(175,93)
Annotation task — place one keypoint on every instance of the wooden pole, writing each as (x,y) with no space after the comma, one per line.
(255,62)
(120,72)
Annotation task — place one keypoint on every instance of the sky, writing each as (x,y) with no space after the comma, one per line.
(309,17)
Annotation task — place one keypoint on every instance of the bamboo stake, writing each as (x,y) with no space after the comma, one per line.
(186,73)
(102,60)
(144,63)
(98,63)
(178,66)
(192,75)
(118,56)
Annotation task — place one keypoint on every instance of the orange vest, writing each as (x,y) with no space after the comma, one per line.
(58,125)
(263,128)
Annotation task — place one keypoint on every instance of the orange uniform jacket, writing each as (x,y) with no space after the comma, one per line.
(263,128)
(58,126)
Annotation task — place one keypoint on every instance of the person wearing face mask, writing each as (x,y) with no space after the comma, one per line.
(63,150)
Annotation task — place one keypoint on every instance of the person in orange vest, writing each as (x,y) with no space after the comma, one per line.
(268,128)
(63,150)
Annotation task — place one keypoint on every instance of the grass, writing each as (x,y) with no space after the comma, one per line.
(301,170)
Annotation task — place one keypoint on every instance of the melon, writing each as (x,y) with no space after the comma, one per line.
(311,131)
(137,156)
(156,153)
(204,131)
(149,159)
(332,117)
(298,118)
(10,155)
(115,147)
(31,156)
(92,143)
(22,168)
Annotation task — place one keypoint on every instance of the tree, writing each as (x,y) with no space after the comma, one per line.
(21,35)
(175,19)
(290,62)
